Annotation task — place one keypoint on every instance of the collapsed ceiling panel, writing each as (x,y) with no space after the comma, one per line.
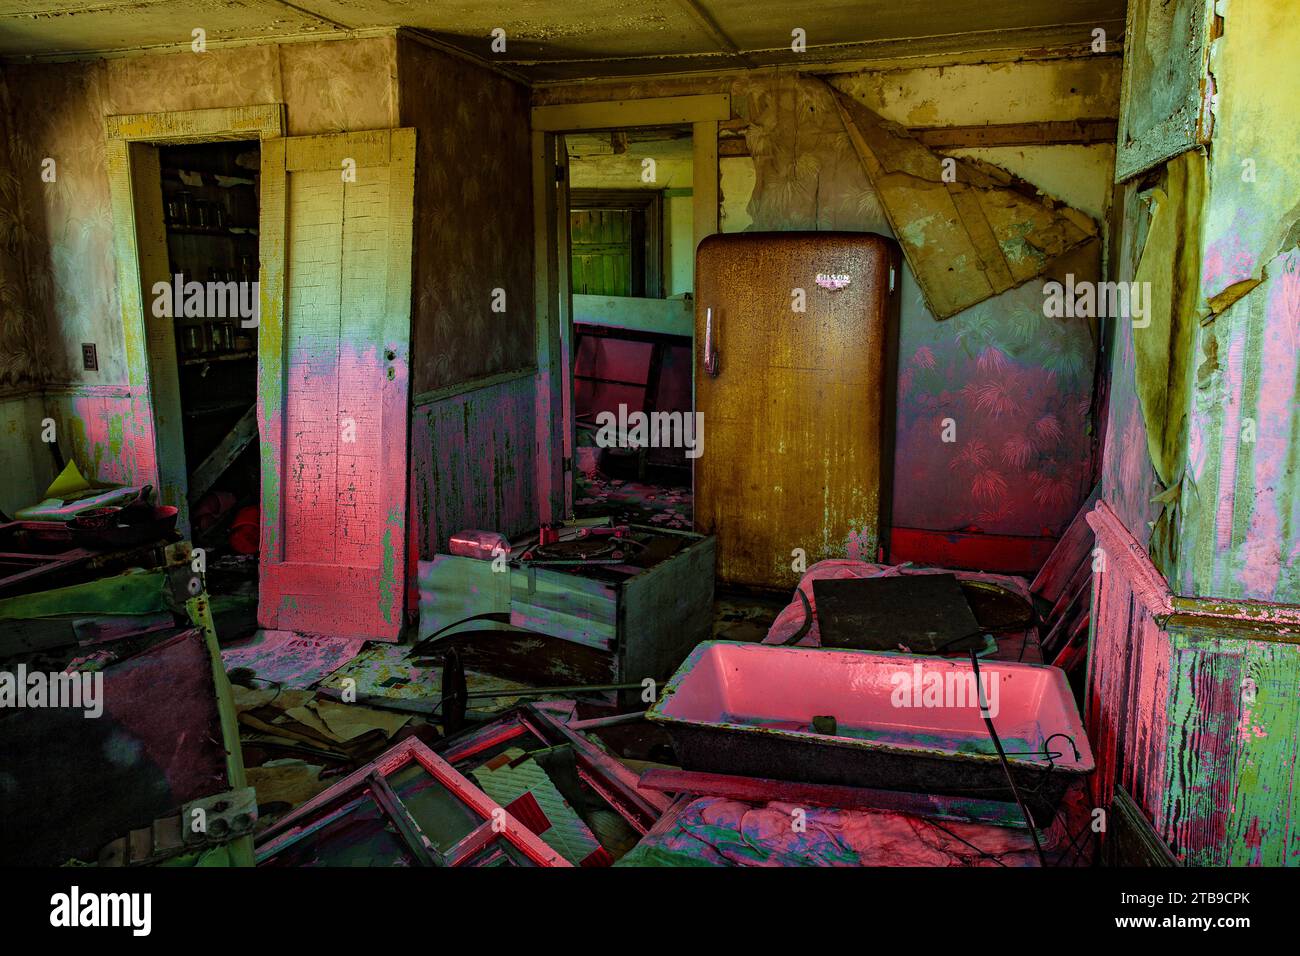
(969,230)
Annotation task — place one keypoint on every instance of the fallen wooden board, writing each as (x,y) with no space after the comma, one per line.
(969,230)
(224,455)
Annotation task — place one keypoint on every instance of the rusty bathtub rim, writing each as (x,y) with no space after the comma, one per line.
(1084,766)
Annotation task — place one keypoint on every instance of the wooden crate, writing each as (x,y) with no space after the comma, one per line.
(641,625)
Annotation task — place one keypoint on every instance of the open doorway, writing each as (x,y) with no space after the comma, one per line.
(210,203)
(631,260)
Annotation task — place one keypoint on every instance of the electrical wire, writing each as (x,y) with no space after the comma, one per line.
(1006,765)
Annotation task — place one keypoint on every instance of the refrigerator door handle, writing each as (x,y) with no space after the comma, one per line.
(710,350)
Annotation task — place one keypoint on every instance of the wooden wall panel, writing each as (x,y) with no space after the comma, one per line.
(1202,717)
(472,463)
(473,214)
(1192,707)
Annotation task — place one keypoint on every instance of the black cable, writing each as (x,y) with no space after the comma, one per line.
(983,853)
(1074,842)
(1006,765)
(806,626)
(963,637)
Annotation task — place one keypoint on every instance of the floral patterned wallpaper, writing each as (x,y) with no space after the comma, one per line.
(1016,387)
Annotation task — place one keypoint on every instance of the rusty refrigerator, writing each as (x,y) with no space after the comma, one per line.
(796,351)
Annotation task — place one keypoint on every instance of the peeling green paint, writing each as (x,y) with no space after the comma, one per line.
(388,571)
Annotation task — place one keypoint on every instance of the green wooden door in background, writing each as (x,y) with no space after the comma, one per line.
(602,244)
(615,239)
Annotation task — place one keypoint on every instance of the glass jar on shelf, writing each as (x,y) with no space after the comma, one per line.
(191,339)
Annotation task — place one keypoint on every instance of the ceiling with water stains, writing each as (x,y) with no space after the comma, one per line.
(549,39)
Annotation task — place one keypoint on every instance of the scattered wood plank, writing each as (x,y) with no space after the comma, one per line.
(224,455)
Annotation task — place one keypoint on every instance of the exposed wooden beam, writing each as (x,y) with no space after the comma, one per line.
(619,114)
(704,179)
(1045,133)
(704,20)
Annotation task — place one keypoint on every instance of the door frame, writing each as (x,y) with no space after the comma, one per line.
(553,299)
(140,247)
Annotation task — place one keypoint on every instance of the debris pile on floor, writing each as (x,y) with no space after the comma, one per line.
(565,701)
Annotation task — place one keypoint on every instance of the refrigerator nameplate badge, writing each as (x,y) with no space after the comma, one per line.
(833,280)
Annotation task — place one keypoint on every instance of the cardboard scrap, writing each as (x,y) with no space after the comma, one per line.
(288,782)
(967,240)
(288,659)
(345,722)
(297,720)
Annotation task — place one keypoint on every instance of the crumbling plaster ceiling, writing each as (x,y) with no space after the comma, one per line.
(554,40)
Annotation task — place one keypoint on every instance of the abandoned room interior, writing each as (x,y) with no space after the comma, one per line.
(721,433)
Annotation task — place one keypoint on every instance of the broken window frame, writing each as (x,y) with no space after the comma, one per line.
(611,780)
(370,784)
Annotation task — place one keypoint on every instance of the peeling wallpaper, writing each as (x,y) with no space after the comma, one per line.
(1212,767)
(1128,478)
(1240,533)
(1234,526)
